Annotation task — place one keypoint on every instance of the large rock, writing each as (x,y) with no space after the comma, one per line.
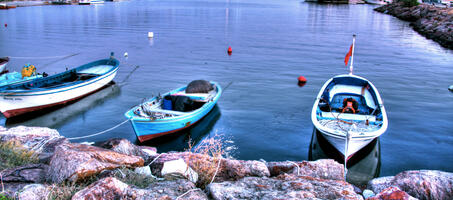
(284,186)
(112,188)
(228,169)
(179,168)
(426,184)
(377,185)
(12,188)
(31,173)
(77,161)
(392,193)
(324,168)
(421,184)
(126,147)
(34,192)
(38,139)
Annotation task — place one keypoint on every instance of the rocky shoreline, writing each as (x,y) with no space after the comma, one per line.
(117,169)
(430,21)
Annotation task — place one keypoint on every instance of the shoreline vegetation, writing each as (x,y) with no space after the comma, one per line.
(38,163)
(430,21)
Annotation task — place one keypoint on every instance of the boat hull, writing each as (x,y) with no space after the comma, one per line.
(17,103)
(2,67)
(3,62)
(147,130)
(354,145)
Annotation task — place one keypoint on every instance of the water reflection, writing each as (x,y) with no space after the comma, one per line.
(179,140)
(58,116)
(362,166)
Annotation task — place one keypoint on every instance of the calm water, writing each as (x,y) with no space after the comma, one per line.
(264,113)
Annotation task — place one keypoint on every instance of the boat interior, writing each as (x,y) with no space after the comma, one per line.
(349,100)
(174,104)
(73,76)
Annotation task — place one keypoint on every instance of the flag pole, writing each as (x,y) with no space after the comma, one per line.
(351,67)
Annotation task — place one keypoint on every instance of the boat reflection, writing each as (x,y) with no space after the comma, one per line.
(179,141)
(56,117)
(363,166)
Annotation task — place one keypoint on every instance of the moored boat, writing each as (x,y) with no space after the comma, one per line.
(3,62)
(97,1)
(58,89)
(6,6)
(84,2)
(349,112)
(175,111)
(377,2)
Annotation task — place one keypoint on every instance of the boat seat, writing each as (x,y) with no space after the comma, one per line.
(176,113)
(347,116)
(100,69)
(337,102)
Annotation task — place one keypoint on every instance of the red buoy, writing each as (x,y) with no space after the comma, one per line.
(6,24)
(302,79)
(230,51)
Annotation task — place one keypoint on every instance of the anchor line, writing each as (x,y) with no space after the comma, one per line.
(48,57)
(99,133)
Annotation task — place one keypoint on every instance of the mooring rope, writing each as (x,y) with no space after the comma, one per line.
(180,196)
(48,57)
(99,133)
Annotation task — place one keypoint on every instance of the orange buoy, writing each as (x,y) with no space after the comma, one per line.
(230,50)
(302,79)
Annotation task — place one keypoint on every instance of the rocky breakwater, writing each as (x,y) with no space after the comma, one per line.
(117,169)
(430,21)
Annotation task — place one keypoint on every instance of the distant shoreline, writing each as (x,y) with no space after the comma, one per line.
(25,3)
(428,20)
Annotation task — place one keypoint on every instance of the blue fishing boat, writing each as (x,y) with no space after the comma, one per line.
(58,89)
(175,110)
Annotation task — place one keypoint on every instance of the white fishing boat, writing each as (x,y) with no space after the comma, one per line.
(349,112)
(58,89)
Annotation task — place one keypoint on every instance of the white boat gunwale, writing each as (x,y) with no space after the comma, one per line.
(132,116)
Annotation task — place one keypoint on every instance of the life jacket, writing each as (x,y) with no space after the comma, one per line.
(28,70)
(350,105)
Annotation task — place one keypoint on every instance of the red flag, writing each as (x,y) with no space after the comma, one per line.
(346,58)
